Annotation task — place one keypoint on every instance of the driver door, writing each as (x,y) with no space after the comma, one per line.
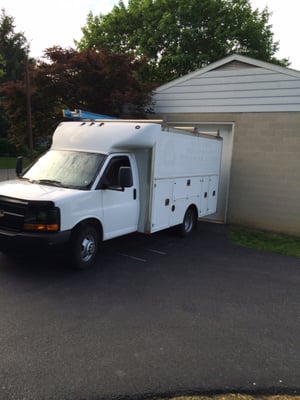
(120,205)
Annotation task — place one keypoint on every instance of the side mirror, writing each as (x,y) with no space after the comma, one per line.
(19,165)
(125,177)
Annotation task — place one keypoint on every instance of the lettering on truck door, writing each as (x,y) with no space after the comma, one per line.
(120,205)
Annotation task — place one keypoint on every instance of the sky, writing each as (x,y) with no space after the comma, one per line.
(46,23)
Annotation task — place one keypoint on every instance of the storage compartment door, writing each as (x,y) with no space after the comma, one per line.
(209,195)
(204,196)
(161,204)
(212,194)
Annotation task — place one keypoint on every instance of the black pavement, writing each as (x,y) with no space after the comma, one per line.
(158,315)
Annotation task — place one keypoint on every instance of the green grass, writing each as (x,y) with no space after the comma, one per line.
(10,162)
(237,397)
(7,162)
(267,241)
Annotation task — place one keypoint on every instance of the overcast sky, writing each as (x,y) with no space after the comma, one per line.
(58,22)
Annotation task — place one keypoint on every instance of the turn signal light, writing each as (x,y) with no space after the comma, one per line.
(41,227)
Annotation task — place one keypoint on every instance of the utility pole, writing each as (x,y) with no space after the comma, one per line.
(28,103)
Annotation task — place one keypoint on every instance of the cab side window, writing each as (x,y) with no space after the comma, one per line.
(110,178)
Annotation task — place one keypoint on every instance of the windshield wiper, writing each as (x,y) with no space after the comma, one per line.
(48,181)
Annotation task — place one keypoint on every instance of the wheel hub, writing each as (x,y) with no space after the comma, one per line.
(88,248)
(188,223)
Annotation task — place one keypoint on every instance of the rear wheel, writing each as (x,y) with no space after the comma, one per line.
(84,246)
(189,222)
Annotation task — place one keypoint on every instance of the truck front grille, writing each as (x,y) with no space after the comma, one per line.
(12,213)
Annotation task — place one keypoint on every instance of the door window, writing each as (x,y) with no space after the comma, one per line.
(110,178)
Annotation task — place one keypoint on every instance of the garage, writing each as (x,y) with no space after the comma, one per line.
(255,107)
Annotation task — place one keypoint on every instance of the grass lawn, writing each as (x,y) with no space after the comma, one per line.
(10,162)
(273,242)
(7,162)
(237,397)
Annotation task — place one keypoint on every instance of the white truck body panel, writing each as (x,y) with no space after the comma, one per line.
(105,137)
(186,171)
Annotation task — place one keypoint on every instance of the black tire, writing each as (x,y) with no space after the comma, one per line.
(189,222)
(84,246)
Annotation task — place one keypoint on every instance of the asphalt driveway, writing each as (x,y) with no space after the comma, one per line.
(7,174)
(159,315)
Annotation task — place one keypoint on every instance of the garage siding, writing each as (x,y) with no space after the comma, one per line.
(261,88)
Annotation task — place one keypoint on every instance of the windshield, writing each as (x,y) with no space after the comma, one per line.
(65,168)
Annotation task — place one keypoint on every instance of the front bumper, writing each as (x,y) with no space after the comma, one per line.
(25,241)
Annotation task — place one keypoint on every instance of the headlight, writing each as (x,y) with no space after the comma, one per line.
(42,219)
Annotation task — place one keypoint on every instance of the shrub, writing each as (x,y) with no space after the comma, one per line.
(7,148)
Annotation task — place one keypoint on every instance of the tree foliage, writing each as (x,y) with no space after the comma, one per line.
(180,36)
(13,49)
(2,66)
(97,81)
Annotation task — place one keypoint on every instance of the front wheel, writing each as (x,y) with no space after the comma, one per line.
(189,222)
(84,246)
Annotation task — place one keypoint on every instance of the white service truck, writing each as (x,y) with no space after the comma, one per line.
(108,178)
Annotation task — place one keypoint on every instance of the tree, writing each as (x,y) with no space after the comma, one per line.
(13,49)
(2,118)
(13,104)
(2,66)
(98,81)
(180,36)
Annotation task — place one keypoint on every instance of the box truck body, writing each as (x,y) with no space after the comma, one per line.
(104,179)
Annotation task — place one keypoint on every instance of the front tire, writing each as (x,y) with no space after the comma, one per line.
(189,222)
(84,246)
